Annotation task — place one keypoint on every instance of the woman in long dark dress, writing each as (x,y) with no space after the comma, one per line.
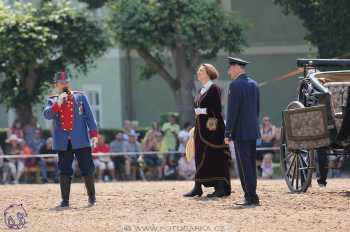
(211,154)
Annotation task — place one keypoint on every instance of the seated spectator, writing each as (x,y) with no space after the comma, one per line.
(170,130)
(184,136)
(16,129)
(127,129)
(46,148)
(36,142)
(131,164)
(266,166)
(170,169)
(34,146)
(133,126)
(105,163)
(118,146)
(30,129)
(16,165)
(186,169)
(2,166)
(27,152)
(151,143)
(268,135)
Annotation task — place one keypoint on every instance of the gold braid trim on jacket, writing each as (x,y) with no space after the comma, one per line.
(206,141)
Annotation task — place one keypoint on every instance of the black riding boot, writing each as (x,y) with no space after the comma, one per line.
(90,188)
(196,191)
(65,182)
(221,190)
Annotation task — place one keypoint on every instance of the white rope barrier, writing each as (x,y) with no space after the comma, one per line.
(22,156)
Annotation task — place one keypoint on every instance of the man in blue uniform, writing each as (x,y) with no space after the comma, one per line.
(242,127)
(73,126)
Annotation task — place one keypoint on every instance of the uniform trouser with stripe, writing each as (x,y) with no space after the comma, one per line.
(246,162)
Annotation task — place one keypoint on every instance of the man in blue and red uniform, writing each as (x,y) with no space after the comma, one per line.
(73,126)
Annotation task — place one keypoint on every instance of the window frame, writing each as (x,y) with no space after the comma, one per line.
(95,88)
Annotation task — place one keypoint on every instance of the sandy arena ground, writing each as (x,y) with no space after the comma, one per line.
(159,206)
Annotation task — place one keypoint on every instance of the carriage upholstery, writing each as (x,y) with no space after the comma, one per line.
(313,127)
(339,95)
(306,127)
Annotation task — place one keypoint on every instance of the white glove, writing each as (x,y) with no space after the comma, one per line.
(94,142)
(199,111)
(63,96)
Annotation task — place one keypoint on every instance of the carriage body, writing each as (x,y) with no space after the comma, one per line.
(318,119)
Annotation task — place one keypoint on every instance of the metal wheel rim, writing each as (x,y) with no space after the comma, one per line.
(297,168)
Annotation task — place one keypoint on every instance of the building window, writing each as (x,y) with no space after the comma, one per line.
(93,92)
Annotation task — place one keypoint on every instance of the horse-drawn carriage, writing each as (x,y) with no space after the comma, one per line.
(318,119)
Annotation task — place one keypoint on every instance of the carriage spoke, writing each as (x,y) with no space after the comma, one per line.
(288,157)
(294,170)
(305,159)
(291,164)
(302,169)
(297,171)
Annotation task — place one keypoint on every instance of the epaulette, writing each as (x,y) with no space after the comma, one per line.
(78,92)
(53,95)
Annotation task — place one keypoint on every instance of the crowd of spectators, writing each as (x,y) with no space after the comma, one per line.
(24,141)
(157,155)
(138,158)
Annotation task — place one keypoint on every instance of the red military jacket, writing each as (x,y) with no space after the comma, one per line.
(66,113)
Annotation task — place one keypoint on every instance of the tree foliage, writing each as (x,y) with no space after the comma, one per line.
(186,32)
(326,22)
(37,42)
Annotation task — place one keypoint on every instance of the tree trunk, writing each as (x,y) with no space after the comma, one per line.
(24,113)
(185,98)
(184,94)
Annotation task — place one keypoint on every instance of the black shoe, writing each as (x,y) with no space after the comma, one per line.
(221,190)
(219,193)
(65,183)
(64,204)
(322,183)
(92,201)
(193,193)
(90,189)
(196,191)
(246,204)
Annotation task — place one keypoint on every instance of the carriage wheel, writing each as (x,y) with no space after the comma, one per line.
(297,167)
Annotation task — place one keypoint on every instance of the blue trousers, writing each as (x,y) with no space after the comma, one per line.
(84,158)
(246,163)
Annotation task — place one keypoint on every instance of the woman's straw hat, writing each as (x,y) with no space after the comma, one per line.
(13,137)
